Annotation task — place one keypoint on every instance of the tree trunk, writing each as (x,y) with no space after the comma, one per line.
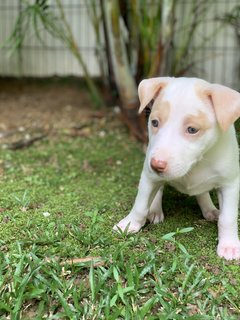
(125,81)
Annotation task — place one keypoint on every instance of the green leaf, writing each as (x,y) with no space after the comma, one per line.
(182,248)
(34,293)
(174,265)
(128,289)
(146,270)
(20,291)
(65,305)
(113,300)
(92,282)
(4,307)
(147,306)
(185,230)
(169,236)
(116,274)
(121,293)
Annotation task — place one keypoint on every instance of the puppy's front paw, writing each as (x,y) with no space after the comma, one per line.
(229,250)
(155,217)
(129,225)
(211,215)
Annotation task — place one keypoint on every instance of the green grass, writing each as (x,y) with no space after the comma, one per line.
(60,199)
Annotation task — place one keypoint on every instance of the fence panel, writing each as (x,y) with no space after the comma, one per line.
(217,61)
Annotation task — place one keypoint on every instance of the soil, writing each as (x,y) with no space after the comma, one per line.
(33,108)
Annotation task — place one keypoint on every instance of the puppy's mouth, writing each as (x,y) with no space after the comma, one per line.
(174,173)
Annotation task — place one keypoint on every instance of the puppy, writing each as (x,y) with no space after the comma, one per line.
(192,147)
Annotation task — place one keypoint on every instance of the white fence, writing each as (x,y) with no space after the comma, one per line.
(218,60)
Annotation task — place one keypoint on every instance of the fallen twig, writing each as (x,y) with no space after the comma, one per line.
(26,142)
(96,261)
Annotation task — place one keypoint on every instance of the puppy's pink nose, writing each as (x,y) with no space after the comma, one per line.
(158,165)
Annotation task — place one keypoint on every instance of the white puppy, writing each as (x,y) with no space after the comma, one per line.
(192,147)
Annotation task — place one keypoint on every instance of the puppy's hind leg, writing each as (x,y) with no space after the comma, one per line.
(155,214)
(209,211)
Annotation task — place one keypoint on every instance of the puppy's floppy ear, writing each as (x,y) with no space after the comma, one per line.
(148,89)
(226,103)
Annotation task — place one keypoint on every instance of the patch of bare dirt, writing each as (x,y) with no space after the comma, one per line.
(30,109)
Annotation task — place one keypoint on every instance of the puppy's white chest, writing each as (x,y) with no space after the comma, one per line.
(197,182)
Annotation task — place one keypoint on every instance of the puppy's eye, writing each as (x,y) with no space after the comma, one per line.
(192,130)
(155,123)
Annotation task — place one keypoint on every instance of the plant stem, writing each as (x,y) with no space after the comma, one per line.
(71,43)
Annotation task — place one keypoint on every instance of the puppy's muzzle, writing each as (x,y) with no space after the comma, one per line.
(160,166)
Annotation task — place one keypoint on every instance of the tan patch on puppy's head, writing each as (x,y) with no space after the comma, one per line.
(160,112)
(198,121)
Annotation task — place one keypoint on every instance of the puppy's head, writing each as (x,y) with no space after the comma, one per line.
(188,116)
